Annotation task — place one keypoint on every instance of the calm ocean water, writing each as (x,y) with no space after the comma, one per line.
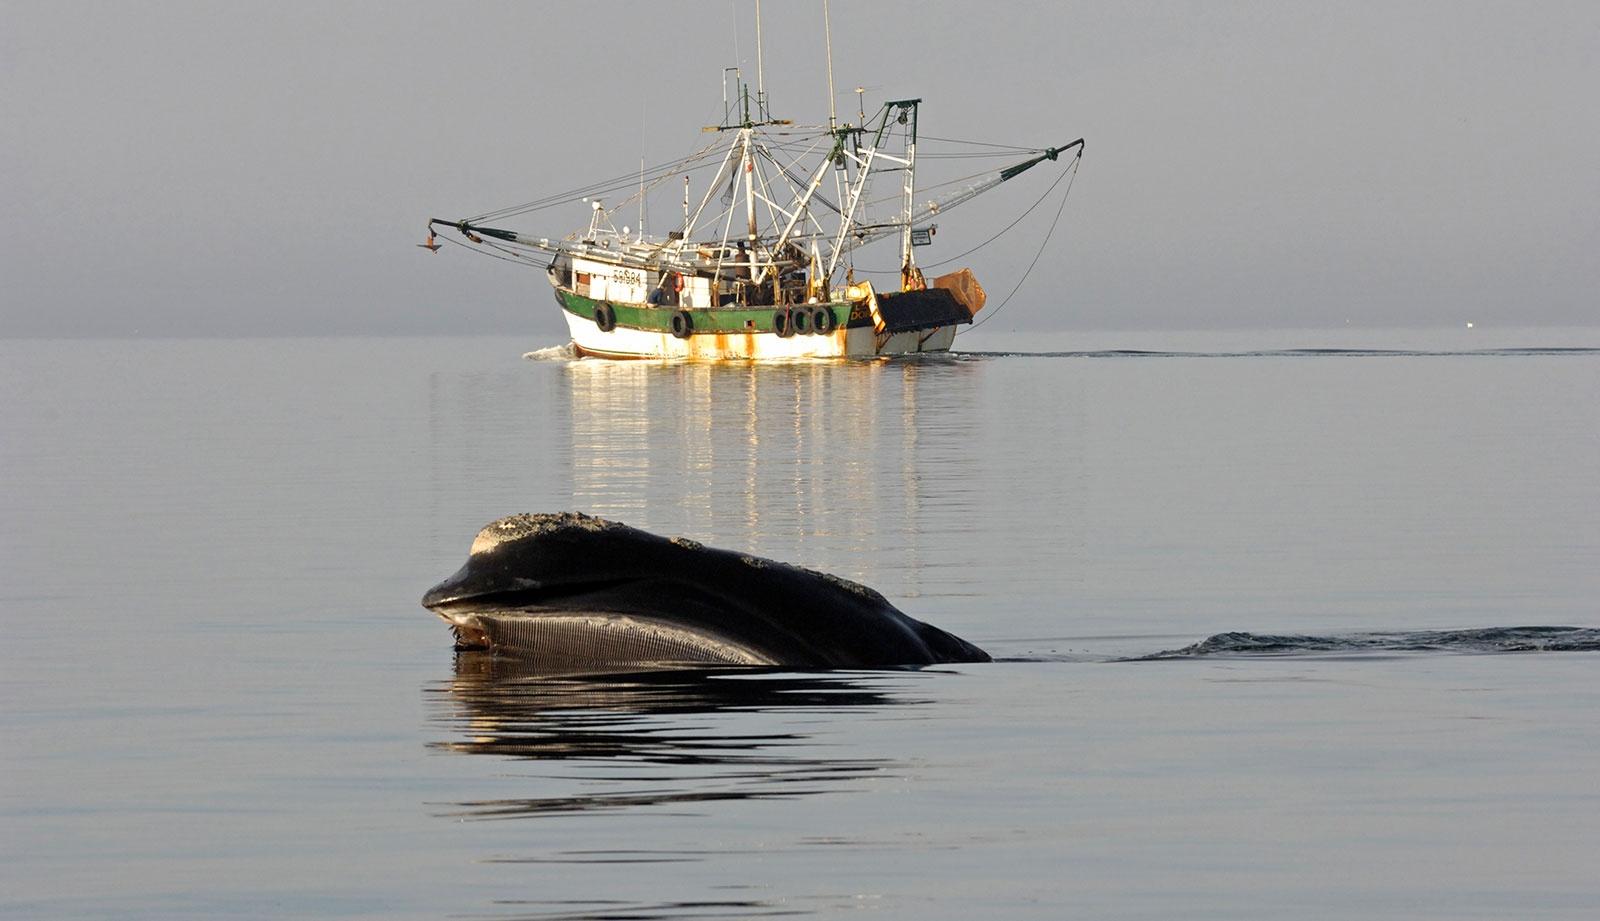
(221,698)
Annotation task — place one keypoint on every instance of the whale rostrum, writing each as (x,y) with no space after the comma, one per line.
(575,593)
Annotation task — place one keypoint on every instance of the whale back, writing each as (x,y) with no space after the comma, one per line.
(584,591)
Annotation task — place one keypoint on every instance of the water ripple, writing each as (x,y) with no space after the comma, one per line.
(1289,353)
(1484,640)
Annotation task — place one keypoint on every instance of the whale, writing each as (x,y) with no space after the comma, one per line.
(572,593)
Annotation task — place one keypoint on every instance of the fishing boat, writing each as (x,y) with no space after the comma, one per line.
(762,265)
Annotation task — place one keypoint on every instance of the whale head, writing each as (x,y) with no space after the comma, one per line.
(532,557)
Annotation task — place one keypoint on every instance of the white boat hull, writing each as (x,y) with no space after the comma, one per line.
(851,342)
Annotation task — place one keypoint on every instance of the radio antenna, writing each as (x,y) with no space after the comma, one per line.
(827,31)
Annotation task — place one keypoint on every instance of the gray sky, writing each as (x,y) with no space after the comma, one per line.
(232,169)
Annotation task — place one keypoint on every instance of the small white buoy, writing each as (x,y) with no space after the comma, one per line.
(1469,324)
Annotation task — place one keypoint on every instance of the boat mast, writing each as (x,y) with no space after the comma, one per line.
(749,187)
(910,277)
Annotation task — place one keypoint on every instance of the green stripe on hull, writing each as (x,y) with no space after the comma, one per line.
(705,319)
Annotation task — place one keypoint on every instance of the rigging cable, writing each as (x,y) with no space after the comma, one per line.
(602,186)
(513,256)
(1071,170)
(1074,170)
(1012,147)
(654,174)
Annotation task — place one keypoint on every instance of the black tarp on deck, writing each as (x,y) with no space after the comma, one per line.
(907,310)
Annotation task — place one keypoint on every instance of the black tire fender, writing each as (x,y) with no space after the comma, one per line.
(682,324)
(822,320)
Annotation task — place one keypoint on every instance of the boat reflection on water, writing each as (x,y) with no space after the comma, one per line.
(656,738)
(840,466)
(843,466)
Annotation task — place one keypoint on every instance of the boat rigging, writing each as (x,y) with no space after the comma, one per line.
(762,264)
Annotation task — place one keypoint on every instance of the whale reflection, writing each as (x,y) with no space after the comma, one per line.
(654,739)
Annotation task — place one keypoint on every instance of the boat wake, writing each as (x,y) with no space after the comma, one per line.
(563,352)
(1293,353)
(1483,640)
(567,352)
